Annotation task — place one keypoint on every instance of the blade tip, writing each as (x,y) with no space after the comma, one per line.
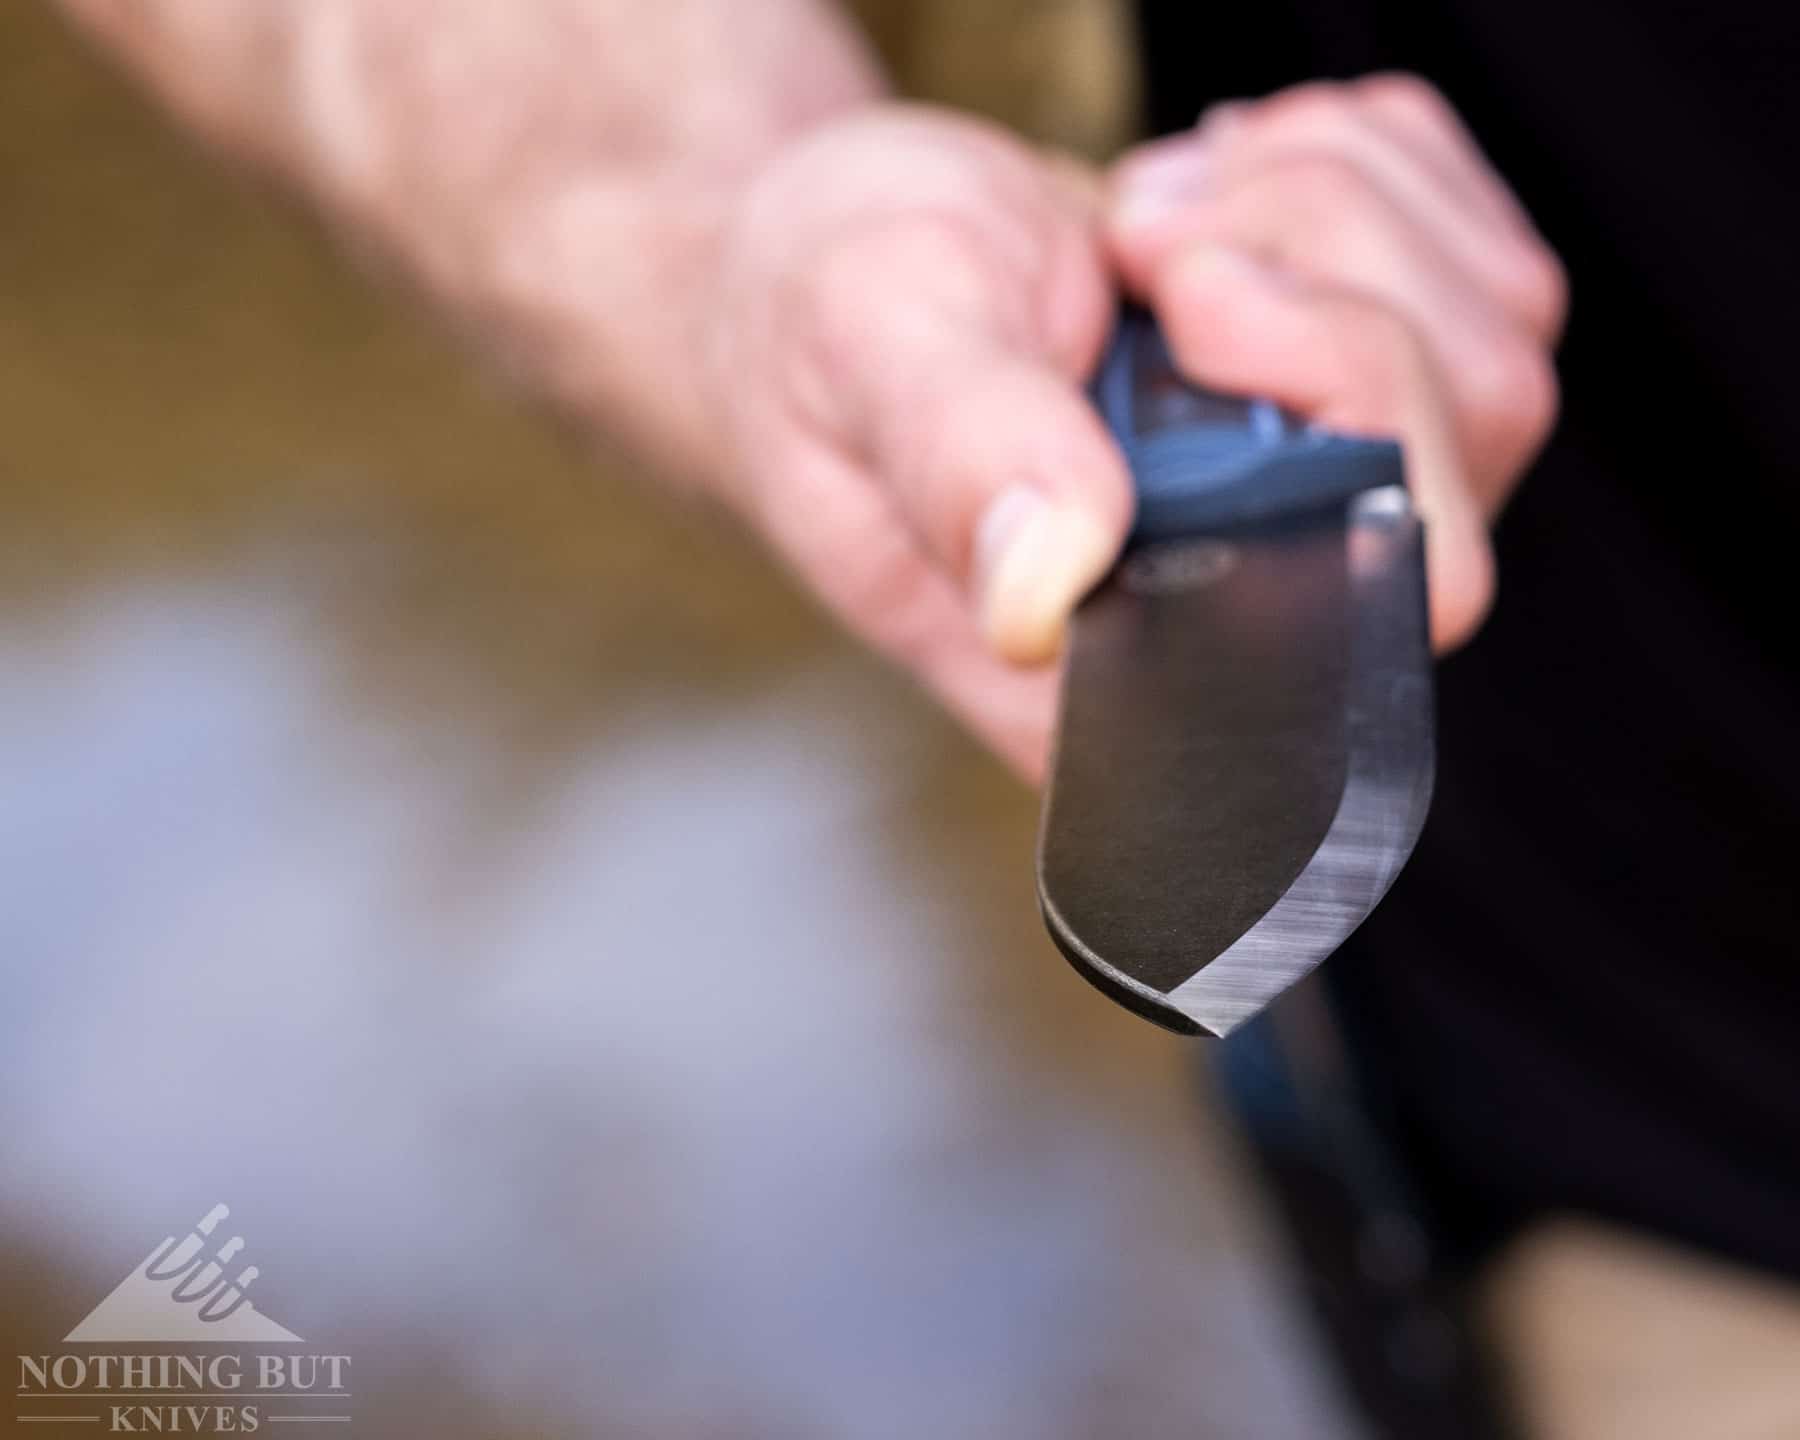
(1142,1000)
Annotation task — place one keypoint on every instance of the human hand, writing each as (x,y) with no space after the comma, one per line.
(911,303)
(1346,250)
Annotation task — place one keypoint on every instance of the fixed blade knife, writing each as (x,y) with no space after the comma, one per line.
(1244,749)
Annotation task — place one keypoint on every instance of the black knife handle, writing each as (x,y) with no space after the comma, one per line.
(1204,462)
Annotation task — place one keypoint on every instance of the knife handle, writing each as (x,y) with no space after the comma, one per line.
(1203,462)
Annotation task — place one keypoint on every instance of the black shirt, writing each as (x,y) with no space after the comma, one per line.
(1584,992)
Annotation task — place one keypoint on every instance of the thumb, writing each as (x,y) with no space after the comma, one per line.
(1002,468)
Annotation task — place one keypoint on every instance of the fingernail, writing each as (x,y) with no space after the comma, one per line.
(1034,560)
(1160,178)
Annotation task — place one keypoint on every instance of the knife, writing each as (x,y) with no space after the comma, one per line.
(1244,750)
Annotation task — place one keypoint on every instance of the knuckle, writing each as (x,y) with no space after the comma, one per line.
(1516,396)
(1317,109)
(1317,116)
(1405,95)
(1544,289)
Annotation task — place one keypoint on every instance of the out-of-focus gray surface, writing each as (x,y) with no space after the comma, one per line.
(610,1004)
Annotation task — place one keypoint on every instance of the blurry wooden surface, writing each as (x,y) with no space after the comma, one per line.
(611,1003)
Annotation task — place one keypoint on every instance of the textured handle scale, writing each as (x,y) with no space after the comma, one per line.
(1204,462)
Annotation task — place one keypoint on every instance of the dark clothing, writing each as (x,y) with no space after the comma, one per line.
(1584,992)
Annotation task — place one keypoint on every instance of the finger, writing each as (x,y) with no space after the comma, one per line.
(976,428)
(1351,363)
(897,600)
(1328,220)
(1418,116)
(1153,212)
(1004,468)
(1442,191)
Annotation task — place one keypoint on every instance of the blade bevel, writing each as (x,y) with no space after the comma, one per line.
(1387,790)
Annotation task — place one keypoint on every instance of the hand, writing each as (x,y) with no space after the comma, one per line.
(910,304)
(1345,249)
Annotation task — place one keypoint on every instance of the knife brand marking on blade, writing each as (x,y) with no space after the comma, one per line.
(1177,565)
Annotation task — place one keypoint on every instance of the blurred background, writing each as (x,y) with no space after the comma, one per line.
(609,1002)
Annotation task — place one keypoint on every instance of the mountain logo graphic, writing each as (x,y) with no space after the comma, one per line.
(184,1292)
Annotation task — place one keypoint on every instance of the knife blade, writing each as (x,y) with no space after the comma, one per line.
(1244,750)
